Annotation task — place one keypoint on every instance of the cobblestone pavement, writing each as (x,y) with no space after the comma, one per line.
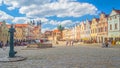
(65,57)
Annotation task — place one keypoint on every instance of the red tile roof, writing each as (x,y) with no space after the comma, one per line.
(55,31)
(21,25)
(48,32)
(8,26)
(117,11)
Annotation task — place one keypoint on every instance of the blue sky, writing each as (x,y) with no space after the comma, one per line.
(54,12)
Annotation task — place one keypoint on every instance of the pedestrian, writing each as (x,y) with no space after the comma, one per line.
(66,43)
(72,42)
(0,45)
(106,44)
(109,43)
(103,44)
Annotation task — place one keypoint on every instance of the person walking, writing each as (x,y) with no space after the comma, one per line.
(103,45)
(109,43)
(0,45)
(72,42)
(106,43)
(66,43)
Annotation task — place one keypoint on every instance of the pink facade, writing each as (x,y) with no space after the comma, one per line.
(102,28)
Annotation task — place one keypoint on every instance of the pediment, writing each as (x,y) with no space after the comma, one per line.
(112,13)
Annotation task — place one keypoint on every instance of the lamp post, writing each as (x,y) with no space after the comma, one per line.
(11,51)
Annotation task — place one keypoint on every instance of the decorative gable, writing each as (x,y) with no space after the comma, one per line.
(113,13)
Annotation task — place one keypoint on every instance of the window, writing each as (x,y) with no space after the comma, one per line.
(99,30)
(105,29)
(91,31)
(115,17)
(110,18)
(110,27)
(115,25)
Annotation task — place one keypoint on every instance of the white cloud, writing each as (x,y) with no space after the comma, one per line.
(66,22)
(66,9)
(45,29)
(5,16)
(26,20)
(0,2)
(53,22)
(43,20)
(21,20)
(62,1)
(21,3)
(47,8)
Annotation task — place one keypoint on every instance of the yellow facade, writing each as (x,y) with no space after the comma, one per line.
(82,30)
(18,33)
(94,29)
(21,31)
(4,35)
(67,34)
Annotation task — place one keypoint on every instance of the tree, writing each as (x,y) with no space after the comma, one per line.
(60,28)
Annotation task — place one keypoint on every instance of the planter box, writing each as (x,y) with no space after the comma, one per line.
(32,46)
(44,45)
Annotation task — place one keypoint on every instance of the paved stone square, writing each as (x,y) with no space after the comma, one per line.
(65,57)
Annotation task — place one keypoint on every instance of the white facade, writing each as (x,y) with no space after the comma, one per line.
(82,30)
(87,30)
(114,24)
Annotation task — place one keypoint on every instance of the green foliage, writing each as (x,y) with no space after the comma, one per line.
(39,44)
(60,27)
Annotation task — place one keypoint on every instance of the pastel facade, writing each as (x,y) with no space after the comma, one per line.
(64,34)
(56,35)
(87,30)
(94,29)
(4,35)
(114,25)
(27,32)
(67,34)
(77,32)
(73,33)
(36,32)
(102,28)
(21,31)
(47,34)
(82,31)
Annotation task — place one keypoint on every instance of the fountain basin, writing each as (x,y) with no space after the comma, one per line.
(13,59)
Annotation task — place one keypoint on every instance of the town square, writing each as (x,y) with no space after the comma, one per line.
(66,57)
(59,34)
